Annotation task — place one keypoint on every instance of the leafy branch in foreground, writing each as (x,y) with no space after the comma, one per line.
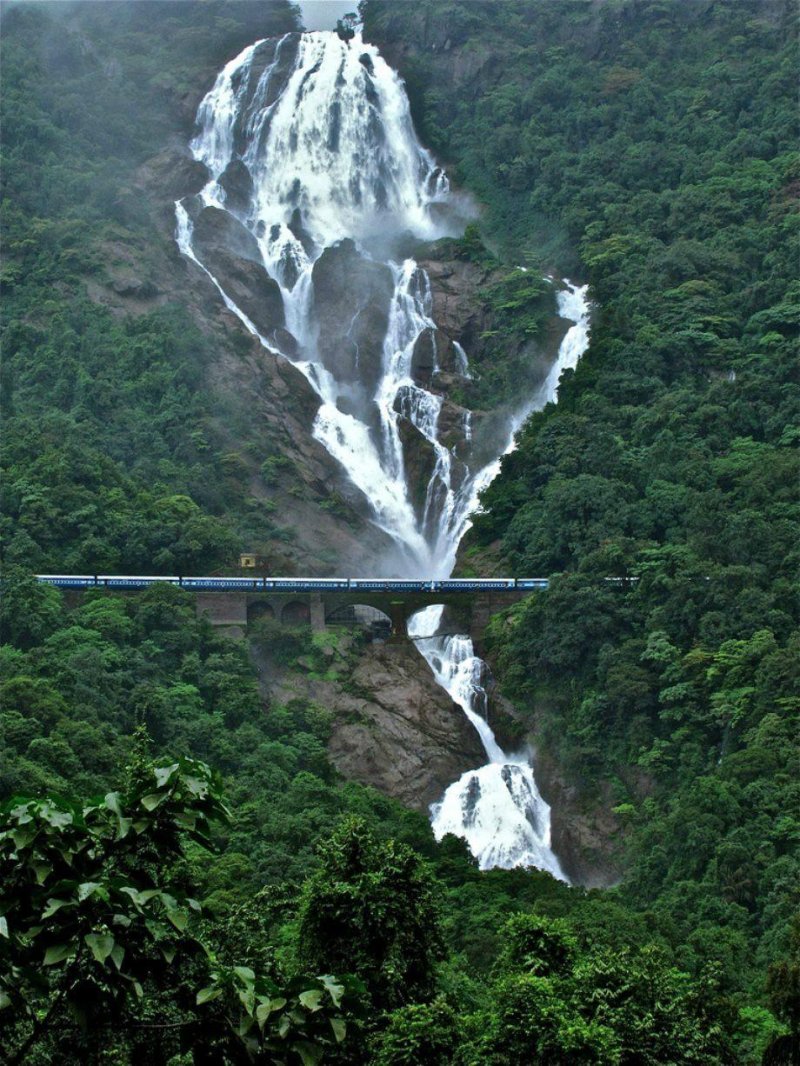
(96,914)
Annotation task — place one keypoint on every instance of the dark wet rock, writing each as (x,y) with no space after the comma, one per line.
(423,358)
(174,173)
(419,459)
(230,251)
(393,727)
(299,231)
(459,308)
(351,300)
(238,186)
(285,342)
(215,230)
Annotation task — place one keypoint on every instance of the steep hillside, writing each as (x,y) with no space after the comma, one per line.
(649,147)
(144,428)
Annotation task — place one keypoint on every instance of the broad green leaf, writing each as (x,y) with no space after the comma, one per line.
(57,953)
(100,944)
(334,989)
(54,905)
(151,801)
(164,773)
(245,973)
(86,889)
(196,785)
(205,995)
(124,827)
(117,955)
(339,1028)
(169,954)
(310,1054)
(178,918)
(4,927)
(42,871)
(55,817)
(5,1000)
(263,1011)
(312,999)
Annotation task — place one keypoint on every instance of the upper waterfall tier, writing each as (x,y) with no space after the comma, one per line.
(316,182)
(325,132)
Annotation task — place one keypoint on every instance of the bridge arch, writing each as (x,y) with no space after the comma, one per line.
(372,619)
(259,609)
(296,613)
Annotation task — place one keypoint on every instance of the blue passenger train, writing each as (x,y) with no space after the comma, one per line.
(294,584)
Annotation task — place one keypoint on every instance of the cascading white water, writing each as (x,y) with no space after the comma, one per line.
(324,132)
(497,808)
(309,142)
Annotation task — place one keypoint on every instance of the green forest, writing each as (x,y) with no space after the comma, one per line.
(184,876)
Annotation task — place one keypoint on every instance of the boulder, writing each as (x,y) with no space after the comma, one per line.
(218,230)
(419,459)
(351,304)
(423,358)
(237,184)
(230,252)
(402,734)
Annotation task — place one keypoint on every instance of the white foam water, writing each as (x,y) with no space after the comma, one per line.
(323,132)
(496,808)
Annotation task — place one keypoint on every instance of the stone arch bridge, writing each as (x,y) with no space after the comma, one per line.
(235,610)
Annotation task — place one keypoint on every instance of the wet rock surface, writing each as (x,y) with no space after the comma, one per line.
(394,728)
(230,251)
(351,344)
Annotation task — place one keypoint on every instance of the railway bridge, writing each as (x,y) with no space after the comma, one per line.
(233,603)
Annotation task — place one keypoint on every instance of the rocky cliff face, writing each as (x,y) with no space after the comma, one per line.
(393,727)
(264,408)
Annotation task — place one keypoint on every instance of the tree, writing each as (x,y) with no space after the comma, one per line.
(97,921)
(373,908)
(783,988)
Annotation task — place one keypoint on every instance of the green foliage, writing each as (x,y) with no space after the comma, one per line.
(553,1003)
(94,915)
(373,906)
(646,149)
(116,447)
(423,1032)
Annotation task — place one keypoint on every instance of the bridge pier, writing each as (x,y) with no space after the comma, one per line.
(398,615)
(227,610)
(317,613)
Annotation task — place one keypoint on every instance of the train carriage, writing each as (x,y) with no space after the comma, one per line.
(390,585)
(230,583)
(67,581)
(308,584)
(465,584)
(133,581)
(532,583)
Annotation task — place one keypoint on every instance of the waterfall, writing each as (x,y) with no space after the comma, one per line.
(317,190)
(497,808)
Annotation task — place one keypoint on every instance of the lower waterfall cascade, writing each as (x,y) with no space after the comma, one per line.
(316,185)
(497,808)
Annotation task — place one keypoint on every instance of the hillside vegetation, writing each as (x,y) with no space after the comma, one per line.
(651,149)
(184,878)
